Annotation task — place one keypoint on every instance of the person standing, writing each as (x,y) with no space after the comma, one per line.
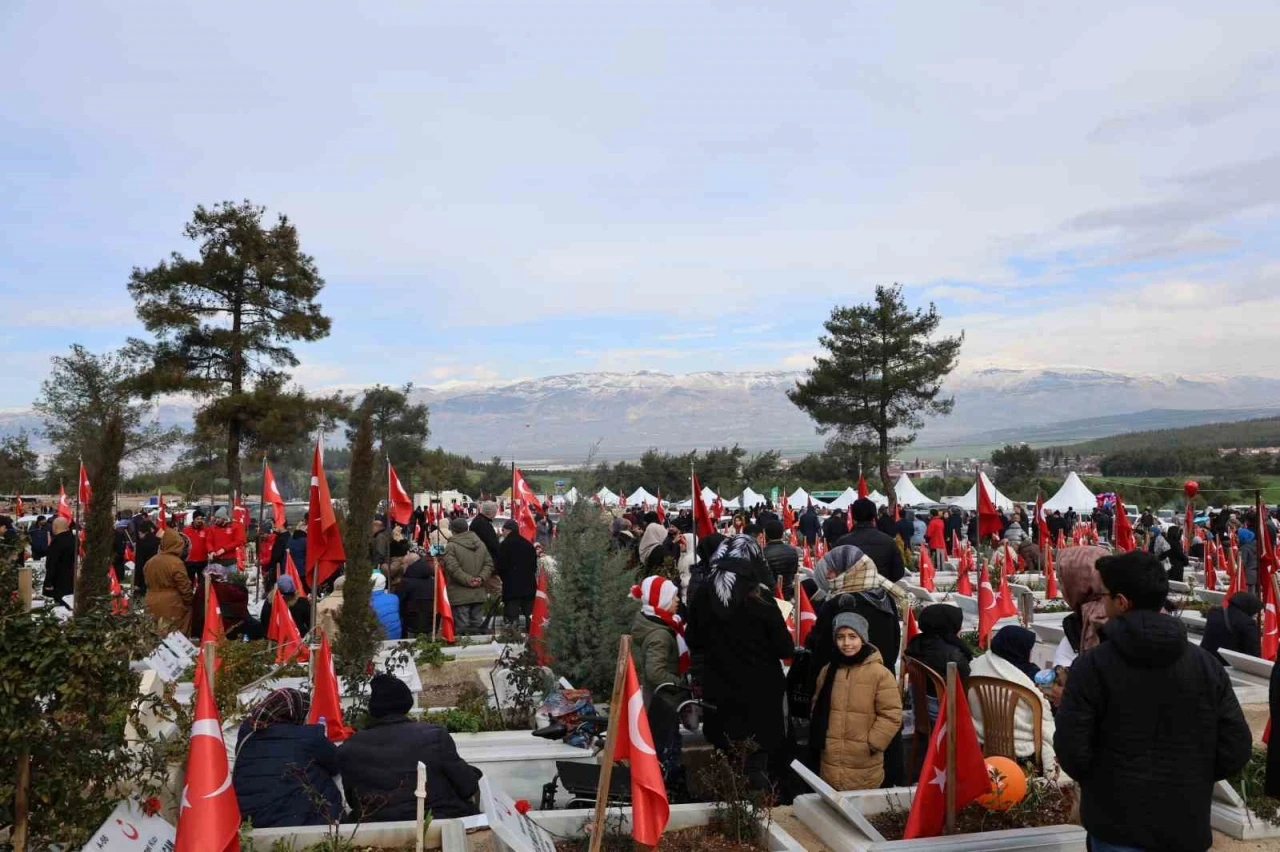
(60,562)
(197,556)
(170,595)
(936,537)
(1147,710)
(379,545)
(38,536)
(148,546)
(782,558)
(224,540)
(810,525)
(467,565)
(882,548)
(482,526)
(517,567)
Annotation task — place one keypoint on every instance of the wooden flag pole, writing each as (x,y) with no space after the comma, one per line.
(611,740)
(257,546)
(210,661)
(952,685)
(21,801)
(435,596)
(208,658)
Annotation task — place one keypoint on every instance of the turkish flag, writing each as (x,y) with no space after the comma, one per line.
(161,521)
(862,486)
(85,493)
(119,603)
(929,804)
(988,517)
(324,539)
(523,499)
(808,557)
(848,519)
(662,512)
(1211,572)
(964,586)
(284,630)
(1270,623)
(209,814)
(271,494)
(926,569)
(1006,607)
(634,744)
(291,571)
(717,507)
(1266,544)
(788,516)
(1041,523)
(213,630)
(913,629)
(326,700)
(64,508)
(444,609)
(19,507)
(702,523)
(1125,540)
(539,619)
(399,503)
(1050,576)
(1009,561)
(808,617)
(988,613)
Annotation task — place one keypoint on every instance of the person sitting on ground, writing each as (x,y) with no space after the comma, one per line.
(328,609)
(467,565)
(518,568)
(380,763)
(417,595)
(1029,552)
(387,607)
(857,710)
(299,608)
(285,768)
(169,593)
(656,653)
(1234,627)
(939,643)
(1009,658)
(1146,710)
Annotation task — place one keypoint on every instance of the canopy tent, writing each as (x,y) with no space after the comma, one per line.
(969,502)
(845,500)
(751,498)
(708,498)
(909,495)
(640,497)
(878,498)
(571,496)
(801,498)
(1072,495)
(607,497)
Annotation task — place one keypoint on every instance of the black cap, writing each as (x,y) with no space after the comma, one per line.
(389,696)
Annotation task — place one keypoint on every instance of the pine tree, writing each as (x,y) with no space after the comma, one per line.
(358,629)
(882,372)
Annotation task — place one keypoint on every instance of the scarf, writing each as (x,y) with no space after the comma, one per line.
(820,717)
(944,621)
(734,573)
(654,535)
(656,594)
(283,706)
(1014,645)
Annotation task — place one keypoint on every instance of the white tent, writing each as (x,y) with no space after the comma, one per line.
(571,496)
(606,497)
(908,495)
(845,500)
(751,498)
(878,498)
(1072,495)
(969,502)
(708,498)
(640,497)
(801,498)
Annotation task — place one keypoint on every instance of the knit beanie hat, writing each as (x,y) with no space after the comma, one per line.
(457,525)
(388,696)
(853,620)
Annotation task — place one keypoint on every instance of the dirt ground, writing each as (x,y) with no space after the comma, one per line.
(440,686)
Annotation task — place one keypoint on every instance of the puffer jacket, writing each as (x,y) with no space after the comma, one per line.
(387,607)
(169,591)
(284,776)
(784,561)
(467,558)
(1147,710)
(866,713)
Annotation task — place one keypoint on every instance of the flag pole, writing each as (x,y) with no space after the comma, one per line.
(951,749)
(693,509)
(611,741)
(315,570)
(257,548)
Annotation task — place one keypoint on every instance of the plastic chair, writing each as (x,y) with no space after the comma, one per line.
(918,676)
(999,699)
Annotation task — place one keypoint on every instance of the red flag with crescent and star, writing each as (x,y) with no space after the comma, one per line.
(324,539)
(400,504)
(326,700)
(209,814)
(271,494)
(649,808)
(929,804)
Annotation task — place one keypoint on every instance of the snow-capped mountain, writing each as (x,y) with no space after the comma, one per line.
(562,418)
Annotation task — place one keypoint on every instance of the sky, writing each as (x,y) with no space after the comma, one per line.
(495,191)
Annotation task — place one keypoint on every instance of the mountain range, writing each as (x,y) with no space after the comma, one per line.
(561,419)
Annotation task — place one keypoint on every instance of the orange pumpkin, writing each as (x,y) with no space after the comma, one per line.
(1008,784)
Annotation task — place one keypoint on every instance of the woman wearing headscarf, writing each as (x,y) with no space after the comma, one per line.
(1175,557)
(657,548)
(1010,659)
(1083,590)
(169,592)
(1234,627)
(738,629)
(938,644)
(284,768)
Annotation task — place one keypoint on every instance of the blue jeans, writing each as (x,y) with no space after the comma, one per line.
(1096,845)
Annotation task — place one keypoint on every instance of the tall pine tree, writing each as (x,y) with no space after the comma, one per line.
(223,321)
(881,374)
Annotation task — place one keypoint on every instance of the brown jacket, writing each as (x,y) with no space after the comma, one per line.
(327,611)
(866,713)
(169,592)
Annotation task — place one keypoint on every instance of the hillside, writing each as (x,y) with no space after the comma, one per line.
(1261,432)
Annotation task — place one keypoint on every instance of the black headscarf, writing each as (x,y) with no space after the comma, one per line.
(1014,644)
(1247,602)
(736,568)
(944,621)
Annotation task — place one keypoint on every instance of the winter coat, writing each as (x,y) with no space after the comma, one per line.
(833,528)
(60,566)
(517,565)
(379,547)
(1014,534)
(225,539)
(417,597)
(198,552)
(279,547)
(380,772)
(935,652)
(657,658)
(882,549)
(387,607)
(268,774)
(906,529)
(327,610)
(783,560)
(169,592)
(742,671)
(935,533)
(147,547)
(1233,627)
(482,526)
(1146,710)
(1272,784)
(917,533)
(1024,734)
(467,558)
(865,715)
(1249,559)
(810,524)
(298,553)
(300,609)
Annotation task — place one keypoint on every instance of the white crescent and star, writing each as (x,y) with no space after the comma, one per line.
(635,706)
(208,728)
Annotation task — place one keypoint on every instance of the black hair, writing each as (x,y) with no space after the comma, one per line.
(1138,576)
(751,529)
(773,530)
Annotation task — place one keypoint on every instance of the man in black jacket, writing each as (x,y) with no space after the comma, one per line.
(783,559)
(482,526)
(810,525)
(834,527)
(517,565)
(882,549)
(380,763)
(1147,711)
(60,562)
